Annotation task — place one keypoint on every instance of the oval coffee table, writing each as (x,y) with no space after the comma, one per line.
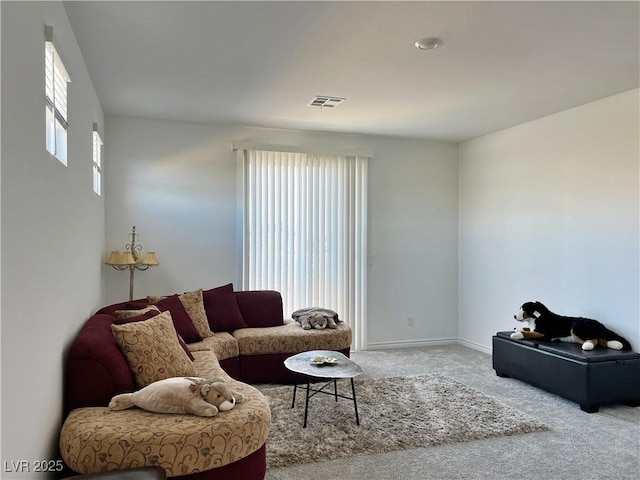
(343,367)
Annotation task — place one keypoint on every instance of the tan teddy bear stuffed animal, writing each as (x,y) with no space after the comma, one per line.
(197,396)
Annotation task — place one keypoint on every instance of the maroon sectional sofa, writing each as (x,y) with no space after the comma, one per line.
(96,370)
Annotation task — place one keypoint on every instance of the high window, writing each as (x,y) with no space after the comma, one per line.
(56,79)
(97,161)
(305,231)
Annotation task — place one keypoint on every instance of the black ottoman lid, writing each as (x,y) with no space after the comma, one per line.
(574,350)
(598,354)
(530,342)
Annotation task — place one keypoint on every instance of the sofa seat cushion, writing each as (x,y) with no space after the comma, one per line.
(221,343)
(97,439)
(291,338)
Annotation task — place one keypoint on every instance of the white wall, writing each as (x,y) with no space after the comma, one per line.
(52,231)
(177,183)
(549,211)
(413,239)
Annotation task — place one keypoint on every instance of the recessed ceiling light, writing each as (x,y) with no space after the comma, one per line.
(428,43)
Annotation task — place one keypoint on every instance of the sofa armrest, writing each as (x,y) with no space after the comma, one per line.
(260,308)
(96,368)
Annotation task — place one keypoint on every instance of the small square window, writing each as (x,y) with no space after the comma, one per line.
(55,86)
(97,161)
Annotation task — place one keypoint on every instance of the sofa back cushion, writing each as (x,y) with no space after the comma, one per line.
(222,310)
(260,308)
(181,319)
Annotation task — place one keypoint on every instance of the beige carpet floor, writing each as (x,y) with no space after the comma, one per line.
(598,446)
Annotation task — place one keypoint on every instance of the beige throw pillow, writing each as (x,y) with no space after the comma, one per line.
(152,350)
(124,314)
(155,298)
(194,305)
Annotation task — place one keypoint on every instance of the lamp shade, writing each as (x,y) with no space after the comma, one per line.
(114,258)
(150,259)
(127,259)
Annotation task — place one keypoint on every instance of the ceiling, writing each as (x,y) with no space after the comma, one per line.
(261,63)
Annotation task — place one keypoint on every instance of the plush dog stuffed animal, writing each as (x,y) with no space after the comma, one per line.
(544,324)
(318,318)
(197,396)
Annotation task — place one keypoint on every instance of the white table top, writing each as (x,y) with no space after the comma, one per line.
(344,367)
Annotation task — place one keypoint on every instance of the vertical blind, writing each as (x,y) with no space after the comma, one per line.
(305,231)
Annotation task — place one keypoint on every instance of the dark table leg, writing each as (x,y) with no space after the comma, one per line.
(335,393)
(355,404)
(306,405)
(295,387)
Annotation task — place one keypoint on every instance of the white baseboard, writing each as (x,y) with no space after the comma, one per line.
(475,346)
(411,343)
(427,343)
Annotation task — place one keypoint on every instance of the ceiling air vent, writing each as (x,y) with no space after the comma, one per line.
(326,102)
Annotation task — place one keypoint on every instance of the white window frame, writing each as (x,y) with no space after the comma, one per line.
(97,161)
(56,79)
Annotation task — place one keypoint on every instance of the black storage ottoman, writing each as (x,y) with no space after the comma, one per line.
(591,378)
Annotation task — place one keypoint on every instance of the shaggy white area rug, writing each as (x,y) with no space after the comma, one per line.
(395,413)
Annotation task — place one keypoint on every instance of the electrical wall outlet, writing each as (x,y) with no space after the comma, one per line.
(410,319)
